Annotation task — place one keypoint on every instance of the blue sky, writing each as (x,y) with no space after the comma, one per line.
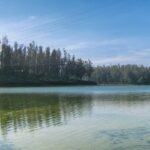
(105,31)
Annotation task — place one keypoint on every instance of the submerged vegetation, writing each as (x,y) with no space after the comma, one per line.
(34,111)
(34,65)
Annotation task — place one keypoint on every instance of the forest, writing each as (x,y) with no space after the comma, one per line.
(33,64)
(122,74)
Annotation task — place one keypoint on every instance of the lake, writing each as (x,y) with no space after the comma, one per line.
(75,118)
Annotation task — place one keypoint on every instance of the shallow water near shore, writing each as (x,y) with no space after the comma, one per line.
(124,89)
(75,118)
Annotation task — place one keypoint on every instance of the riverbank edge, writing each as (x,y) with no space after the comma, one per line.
(47,83)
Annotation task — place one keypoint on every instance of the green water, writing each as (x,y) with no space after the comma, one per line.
(80,118)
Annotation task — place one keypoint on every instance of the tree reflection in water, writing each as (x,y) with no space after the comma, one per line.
(36,111)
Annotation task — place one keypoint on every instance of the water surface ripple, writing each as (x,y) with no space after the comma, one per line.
(80,118)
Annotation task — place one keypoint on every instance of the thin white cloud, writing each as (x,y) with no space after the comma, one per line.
(132,57)
(94,44)
(49,31)
(31,28)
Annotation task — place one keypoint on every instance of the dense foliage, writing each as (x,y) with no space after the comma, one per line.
(32,62)
(122,74)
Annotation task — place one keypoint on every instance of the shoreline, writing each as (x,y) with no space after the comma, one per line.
(13,85)
(47,83)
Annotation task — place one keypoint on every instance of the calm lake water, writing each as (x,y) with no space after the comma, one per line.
(75,118)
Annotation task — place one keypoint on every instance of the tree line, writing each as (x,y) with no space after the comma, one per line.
(33,62)
(122,74)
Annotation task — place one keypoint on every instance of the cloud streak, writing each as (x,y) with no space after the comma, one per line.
(53,32)
(133,57)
